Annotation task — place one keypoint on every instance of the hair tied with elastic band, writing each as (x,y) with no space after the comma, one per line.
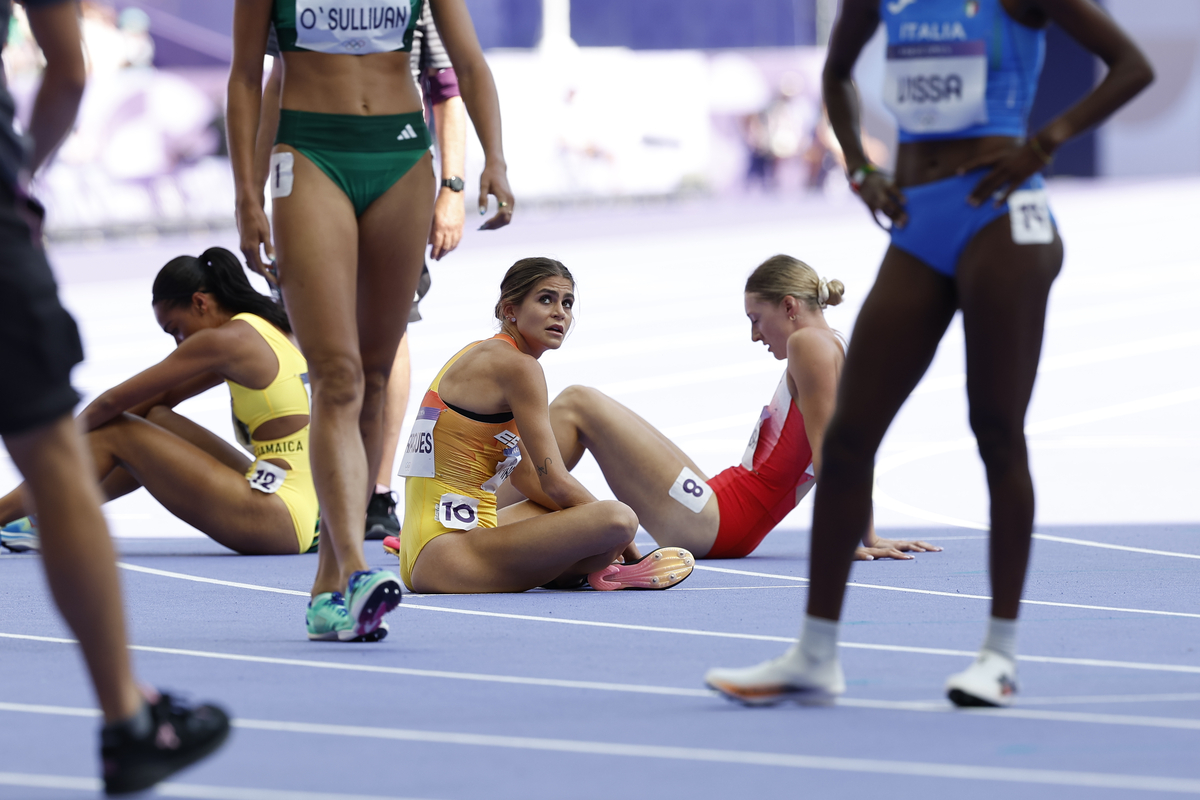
(823,292)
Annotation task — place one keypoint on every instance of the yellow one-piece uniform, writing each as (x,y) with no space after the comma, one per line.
(287,395)
(454,462)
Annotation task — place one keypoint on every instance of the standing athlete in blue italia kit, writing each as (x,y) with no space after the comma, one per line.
(971,230)
(352,185)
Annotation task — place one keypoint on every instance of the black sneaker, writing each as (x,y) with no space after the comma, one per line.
(177,737)
(381,516)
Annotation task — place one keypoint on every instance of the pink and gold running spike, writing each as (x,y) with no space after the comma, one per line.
(391,544)
(661,569)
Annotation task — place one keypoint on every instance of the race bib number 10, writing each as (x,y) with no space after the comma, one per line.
(458,512)
(352,27)
(691,491)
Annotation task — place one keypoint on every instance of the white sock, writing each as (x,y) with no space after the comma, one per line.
(818,639)
(1002,637)
(381,489)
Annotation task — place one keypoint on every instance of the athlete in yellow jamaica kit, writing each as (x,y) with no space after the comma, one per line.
(225,331)
(484,420)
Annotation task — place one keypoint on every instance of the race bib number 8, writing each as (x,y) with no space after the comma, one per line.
(691,491)
(266,477)
(458,512)
(1030,216)
(352,27)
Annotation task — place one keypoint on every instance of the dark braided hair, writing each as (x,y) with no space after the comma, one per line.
(218,272)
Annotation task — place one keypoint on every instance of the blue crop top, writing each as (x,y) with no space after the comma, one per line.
(347,27)
(959,69)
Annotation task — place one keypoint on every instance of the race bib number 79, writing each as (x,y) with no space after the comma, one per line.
(1030,216)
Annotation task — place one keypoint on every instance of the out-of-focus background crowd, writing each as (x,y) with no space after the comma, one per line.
(601,101)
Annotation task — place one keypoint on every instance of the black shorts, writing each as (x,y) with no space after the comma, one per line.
(39,342)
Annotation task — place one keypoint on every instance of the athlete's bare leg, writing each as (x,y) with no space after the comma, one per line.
(78,556)
(536,549)
(895,337)
(639,463)
(394,408)
(348,284)
(1003,289)
(120,482)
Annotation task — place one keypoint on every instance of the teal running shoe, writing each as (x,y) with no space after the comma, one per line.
(21,536)
(370,594)
(328,621)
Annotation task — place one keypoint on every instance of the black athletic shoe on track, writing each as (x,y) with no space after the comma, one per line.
(381,516)
(177,736)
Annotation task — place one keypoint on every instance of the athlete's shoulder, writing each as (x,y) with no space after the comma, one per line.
(814,345)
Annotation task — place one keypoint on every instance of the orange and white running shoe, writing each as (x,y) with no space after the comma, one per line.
(792,676)
(391,544)
(661,569)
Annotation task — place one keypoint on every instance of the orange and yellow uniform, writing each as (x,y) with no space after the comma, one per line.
(454,462)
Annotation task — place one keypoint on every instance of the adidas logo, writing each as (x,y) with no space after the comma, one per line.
(407,133)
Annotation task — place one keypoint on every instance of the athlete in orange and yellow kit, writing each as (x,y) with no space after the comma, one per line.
(485,420)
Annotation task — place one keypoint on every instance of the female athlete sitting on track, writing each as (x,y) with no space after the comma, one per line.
(728,515)
(225,331)
(484,420)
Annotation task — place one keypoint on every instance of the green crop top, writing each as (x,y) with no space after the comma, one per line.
(346,27)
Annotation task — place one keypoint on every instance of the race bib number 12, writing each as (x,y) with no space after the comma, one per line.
(458,512)
(266,477)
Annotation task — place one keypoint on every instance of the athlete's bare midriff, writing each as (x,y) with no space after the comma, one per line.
(933,160)
(369,85)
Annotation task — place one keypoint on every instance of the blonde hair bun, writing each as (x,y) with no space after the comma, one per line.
(783,276)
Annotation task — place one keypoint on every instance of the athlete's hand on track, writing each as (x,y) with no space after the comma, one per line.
(494,181)
(880,193)
(1010,168)
(893,548)
(255,230)
(448,217)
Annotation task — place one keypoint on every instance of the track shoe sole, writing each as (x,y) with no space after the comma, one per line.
(660,569)
(371,594)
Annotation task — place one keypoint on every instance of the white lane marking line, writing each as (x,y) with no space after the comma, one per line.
(189,790)
(1099,780)
(1105,546)
(936,593)
(1112,698)
(183,576)
(943,707)
(416,673)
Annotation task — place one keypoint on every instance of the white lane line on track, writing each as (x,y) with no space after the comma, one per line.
(1097,780)
(416,673)
(185,576)
(190,790)
(1112,698)
(936,593)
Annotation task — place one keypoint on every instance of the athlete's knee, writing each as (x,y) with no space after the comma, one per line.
(574,402)
(1001,442)
(159,414)
(336,379)
(620,520)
